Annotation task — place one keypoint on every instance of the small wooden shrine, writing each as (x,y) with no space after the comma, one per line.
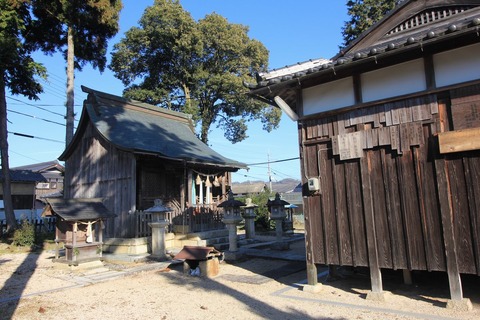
(79,228)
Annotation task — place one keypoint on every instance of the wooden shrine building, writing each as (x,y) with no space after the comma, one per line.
(389,133)
(79,227)
(130,153)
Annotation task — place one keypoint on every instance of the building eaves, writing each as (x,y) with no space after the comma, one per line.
(466,24)
(77,209)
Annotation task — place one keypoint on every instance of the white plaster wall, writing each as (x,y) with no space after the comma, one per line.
(456,66)
(328,96)
(397,80)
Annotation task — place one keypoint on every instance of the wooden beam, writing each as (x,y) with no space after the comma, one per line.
(459,140)
(373,262)
(446,212)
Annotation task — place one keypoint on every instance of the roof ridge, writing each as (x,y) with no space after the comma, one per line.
(135,104)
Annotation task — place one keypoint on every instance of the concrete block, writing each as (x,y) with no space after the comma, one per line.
(381,296)
(460,305)
(313,288)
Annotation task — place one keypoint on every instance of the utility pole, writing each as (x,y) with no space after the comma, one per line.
(269,172)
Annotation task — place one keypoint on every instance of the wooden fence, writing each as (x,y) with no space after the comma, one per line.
(195,219)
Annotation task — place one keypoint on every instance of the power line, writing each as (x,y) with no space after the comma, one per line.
(22,155)
(283,160)
(33,137)
(34,117)
(35,106)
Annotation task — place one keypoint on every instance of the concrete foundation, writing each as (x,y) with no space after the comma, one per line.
(313,288)
(460,305)
(127,245)
(378,296)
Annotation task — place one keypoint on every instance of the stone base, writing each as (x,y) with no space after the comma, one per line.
(460,305)
(280,246)
(233,255)
(127,245)
(378,296)
(313,288)
(82,266)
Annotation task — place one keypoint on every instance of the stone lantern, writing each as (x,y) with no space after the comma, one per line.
(158,224)
(277,213)
(249,216)
(232,217)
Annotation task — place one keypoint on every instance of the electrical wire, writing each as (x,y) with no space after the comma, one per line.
(33,137)
(34,117)
(38,107)
(283,160)
(22,155)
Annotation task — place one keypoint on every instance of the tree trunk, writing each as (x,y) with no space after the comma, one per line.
(6,181)
(204,132)
(70,92)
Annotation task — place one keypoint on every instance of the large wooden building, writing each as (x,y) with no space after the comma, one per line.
(130,153)
(389,133)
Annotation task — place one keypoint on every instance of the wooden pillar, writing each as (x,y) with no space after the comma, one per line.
(446,212)
(312,276)
(100,236)
(100,232)
(57,237)
(74,241)
(183,189)
(373,262)
(190,186)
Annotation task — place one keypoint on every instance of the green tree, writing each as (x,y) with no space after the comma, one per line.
(363,14)
(262,216)
(18,73)
(172,61)
(80,29)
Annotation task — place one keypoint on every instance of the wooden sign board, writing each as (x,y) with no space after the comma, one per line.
(459,140)
(466,115)
(350,145)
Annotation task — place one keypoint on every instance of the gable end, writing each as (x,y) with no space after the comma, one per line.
(428,16)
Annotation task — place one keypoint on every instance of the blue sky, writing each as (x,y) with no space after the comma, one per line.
(291,31)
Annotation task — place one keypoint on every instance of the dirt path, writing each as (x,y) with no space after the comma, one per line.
(253,289)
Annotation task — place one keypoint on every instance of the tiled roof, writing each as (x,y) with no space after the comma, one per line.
(248,187)
(141,128)
(24,176)
(42,166)
(78,209)
(444,24)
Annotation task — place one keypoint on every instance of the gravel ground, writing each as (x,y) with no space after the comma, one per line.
(33,287)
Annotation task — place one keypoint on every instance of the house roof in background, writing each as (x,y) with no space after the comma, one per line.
(146,129)
(42,166)
(77,209)
(248,187)
(282,186)
(50,169)
(24,176)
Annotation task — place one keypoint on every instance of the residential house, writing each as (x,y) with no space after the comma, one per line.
(23,187)
(52,187)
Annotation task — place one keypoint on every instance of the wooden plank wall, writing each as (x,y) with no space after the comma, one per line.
(103,172)
(398,146)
